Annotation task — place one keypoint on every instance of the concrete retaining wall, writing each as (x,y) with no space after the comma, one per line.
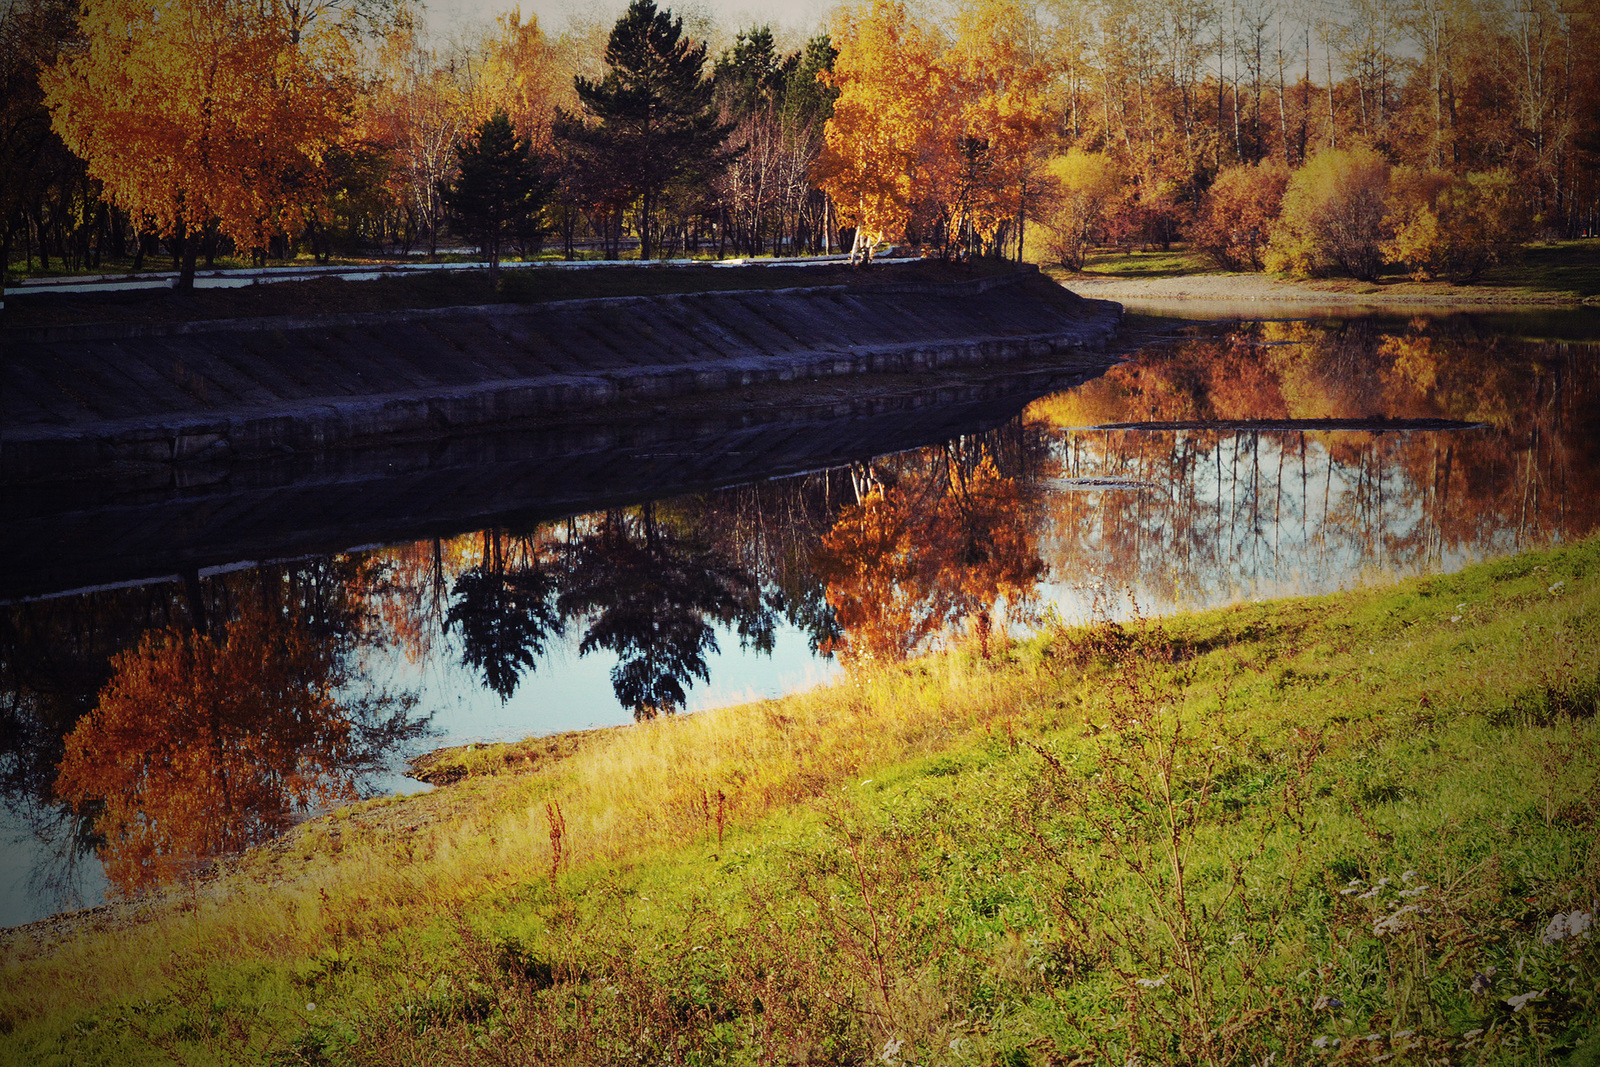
(80,398)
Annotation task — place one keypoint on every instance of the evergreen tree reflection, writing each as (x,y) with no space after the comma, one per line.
(505,614)
(652,595)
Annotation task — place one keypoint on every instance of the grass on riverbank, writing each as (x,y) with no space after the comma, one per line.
(1556,270)
(1348,829)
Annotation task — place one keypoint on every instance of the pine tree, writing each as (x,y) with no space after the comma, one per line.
(655,122)
(500,188)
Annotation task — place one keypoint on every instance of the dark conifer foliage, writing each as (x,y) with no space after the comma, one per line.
(653,120)
(501,190)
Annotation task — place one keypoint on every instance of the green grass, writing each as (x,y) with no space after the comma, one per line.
(1214,839)
(1557,267)
(1176,263)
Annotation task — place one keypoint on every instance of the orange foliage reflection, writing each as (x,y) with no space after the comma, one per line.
(914,559)
(202,745)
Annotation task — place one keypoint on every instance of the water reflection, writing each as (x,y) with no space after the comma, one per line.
(204,743)
(1264,511)
(938,541)
(148,728)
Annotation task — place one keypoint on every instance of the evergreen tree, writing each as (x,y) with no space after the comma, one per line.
(500,188)
(654,115)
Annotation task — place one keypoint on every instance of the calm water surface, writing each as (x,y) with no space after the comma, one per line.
(152,725)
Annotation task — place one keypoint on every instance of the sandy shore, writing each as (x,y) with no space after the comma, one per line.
(1209,293)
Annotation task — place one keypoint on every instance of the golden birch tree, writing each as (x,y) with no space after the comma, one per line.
(200,113)
(884,119)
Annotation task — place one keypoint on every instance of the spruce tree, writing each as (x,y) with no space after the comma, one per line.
(500,188)
(653,110)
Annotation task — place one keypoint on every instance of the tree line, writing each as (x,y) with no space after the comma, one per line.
(193,128)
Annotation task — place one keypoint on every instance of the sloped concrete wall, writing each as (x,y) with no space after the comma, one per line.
(80,398)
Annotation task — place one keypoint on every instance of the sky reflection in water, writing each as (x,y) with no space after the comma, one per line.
(149,728)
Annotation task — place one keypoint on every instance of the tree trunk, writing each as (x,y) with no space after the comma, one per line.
(186,248)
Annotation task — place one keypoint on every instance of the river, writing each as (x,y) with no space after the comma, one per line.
(188,669)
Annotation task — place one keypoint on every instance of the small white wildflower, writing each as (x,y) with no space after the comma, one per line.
(1520,1001)
(1392,923)
(1369,894)
(311,1005)
(1472,1035)
(1326,1003)
(1557,586)
(1567,924)
(1373,1037)
(1403,1033)
(1407,876)
(1461,607)
(1385,881)
(1414,892)
(1384,1056)
(1455,618)
(891,1050)
(1151,983)
(1325,1042)
(1236,938)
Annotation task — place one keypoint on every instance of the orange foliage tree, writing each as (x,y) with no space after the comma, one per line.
(203,745)
(201,113)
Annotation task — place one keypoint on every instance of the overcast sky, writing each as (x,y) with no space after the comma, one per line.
(799,18)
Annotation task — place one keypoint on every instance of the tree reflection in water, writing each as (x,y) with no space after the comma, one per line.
(505,615)
(1256,511)
(115,703)
(650,593)
(930,545)
(203,743)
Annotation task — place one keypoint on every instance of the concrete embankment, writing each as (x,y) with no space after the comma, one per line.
(85,399)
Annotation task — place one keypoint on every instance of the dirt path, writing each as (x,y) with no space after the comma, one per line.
(1222,289)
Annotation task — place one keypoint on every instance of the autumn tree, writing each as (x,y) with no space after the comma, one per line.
(204,113)
(1455,226)
(1238,214)
(1085,190)
(1334,209)
(890,100)
(653,121)
(999,80)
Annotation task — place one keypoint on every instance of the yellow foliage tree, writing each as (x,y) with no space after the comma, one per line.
(199,113)
(1000,80)
(1086,187)
(876,144)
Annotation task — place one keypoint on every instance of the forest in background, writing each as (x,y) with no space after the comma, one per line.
(1442,134)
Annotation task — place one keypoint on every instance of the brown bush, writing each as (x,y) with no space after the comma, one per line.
(1238,213)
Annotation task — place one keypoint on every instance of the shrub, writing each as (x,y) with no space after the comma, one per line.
(1086,187)
(1455,226)
(1238,214)
(1333,216)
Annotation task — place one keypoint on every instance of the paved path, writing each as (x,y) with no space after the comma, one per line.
(238,278)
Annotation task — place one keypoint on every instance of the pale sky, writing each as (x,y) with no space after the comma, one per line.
(791,20)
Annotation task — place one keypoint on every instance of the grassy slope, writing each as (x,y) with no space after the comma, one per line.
(1560,269)
(1101,842)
